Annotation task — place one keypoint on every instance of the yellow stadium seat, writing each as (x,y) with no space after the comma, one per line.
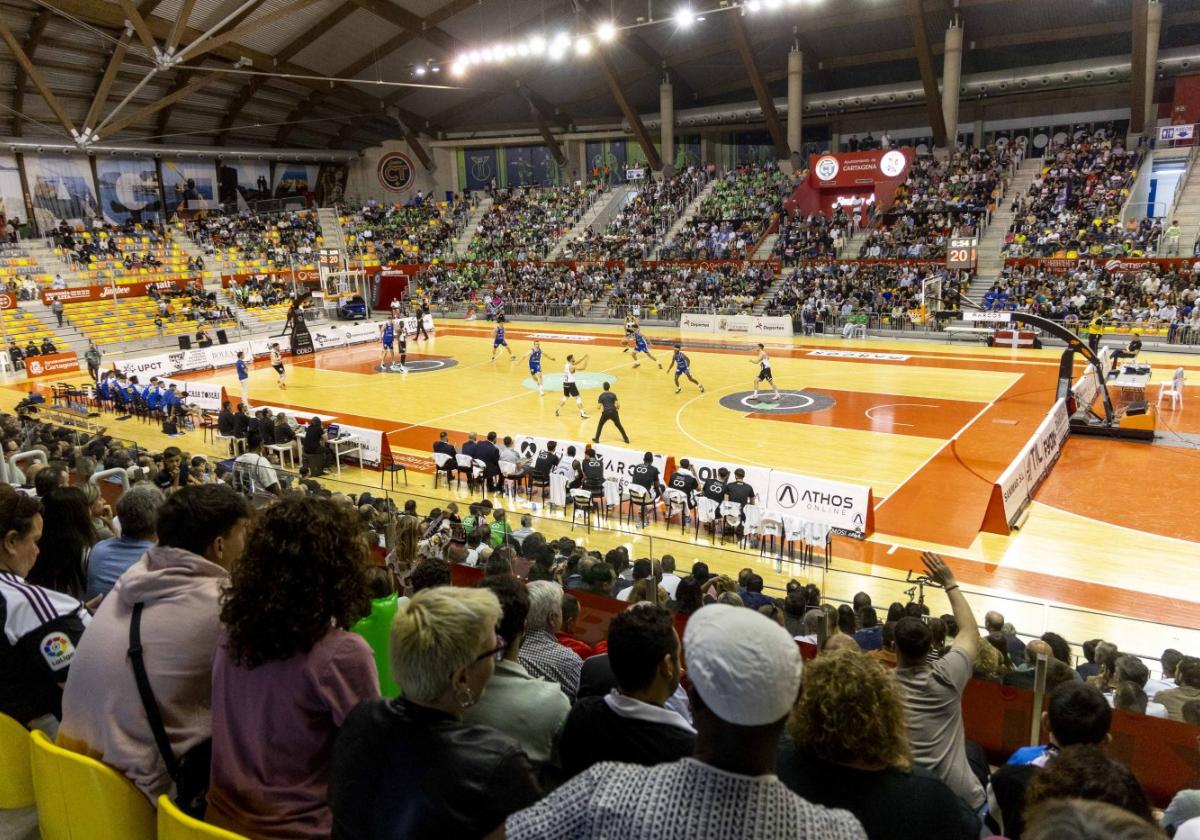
(78,798)
(16,782)
(173,824)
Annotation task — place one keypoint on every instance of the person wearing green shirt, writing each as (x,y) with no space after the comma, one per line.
(501,530)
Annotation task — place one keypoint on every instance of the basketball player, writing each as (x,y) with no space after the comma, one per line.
(683,367)
(764,371)
(570,389)
(277,363)
(535,365)
(631,326)
(640,346)
(388,334)
(499,341)
(402,347)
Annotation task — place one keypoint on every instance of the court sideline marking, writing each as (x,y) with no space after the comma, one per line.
(897,405)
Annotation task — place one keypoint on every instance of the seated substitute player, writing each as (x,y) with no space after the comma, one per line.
(499,341)
(764,371)
(535,365)
(645,475)
(683,367)
(683,479)
(387,334)
(570,389)
(640,346)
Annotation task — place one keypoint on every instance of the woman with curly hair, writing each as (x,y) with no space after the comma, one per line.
(847,747)
(287,670)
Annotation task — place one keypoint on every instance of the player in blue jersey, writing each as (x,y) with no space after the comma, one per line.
(535,365)
(641,346)
(499,341)
(683,367)
(388,335)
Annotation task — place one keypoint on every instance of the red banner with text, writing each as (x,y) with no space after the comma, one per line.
(51,363)
(82,294)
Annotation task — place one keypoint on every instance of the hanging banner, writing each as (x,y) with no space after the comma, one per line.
(1016,485)
(331,184)
(189,185)
(80,294)
(295,180)
(847,508)
(128,190)
(481,167)
(12,197)
(61,190)
(243,183)
(852,169)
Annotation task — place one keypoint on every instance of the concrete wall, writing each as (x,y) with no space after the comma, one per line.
(363,181)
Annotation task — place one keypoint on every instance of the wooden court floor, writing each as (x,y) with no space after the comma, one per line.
(1110,548)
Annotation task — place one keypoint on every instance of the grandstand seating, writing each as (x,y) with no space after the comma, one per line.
(403,233)
(733,217)
(524,223)
(643,222)
(250,243)
(98,321)
(665,289)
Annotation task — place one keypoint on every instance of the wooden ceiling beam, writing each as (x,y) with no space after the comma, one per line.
(36,30)
(31,72)
(765,101)
(929,76)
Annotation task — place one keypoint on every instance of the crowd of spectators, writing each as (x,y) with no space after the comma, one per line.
(692,288)
(418,232)
(1074,204)
(940,199)
(814,237)
(735,215)
(1151,296)
(132,244)
(278,238)
(848,293)
(643,222)
(531,288)
(524,223)
(482,708)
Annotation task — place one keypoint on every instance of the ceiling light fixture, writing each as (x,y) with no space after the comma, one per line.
(583,46)
(684,17)
(606,31)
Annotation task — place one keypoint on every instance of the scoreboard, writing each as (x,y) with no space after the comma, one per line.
(962,252)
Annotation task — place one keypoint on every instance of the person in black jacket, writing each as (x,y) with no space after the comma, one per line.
(486,451)
(444,447)
(632,725)
(409,767)
(226,424)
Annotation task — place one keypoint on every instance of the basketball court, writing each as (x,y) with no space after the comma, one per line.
(1109,547)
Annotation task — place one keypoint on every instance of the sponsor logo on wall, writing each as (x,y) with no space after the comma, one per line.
(396,173)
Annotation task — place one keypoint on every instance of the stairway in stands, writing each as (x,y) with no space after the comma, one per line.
(49,262)
(212,266)
(463,245)
(687,215)
(597,217)
(332,233)
(1187,210)
(764,249)
(991,244)
(760,305)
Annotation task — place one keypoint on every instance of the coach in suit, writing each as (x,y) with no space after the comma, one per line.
(486,451)
(444,447)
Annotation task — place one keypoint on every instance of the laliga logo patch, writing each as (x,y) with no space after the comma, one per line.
(827,167)
(892,164)
(57,650)
(396,172)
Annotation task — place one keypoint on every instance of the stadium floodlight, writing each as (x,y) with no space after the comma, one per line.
(684,16)
(583,46)
(606,32)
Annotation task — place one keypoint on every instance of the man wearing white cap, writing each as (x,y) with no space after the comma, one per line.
(745,673)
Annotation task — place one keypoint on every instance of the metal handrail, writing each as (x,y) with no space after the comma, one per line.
(118,473)
(35,455)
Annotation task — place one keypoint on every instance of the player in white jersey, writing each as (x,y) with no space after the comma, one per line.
(570,389)
(764,371)
(277,363)
(631,327)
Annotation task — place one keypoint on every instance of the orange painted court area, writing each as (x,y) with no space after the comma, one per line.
(929,426)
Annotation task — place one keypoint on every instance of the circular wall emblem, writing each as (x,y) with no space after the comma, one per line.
(827,167)
(583,380)
(789,402)
(892,164)
(418,364)
(34,367)
(396,172)
(5,302)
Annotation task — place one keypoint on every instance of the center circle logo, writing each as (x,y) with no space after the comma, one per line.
(827,167)
(418,364)
(789,402)
(584,381)
(892,164)
(396,172)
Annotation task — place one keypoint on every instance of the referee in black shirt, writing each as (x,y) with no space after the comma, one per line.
(609,410)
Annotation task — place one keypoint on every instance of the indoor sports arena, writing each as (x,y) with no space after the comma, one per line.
(680,419)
